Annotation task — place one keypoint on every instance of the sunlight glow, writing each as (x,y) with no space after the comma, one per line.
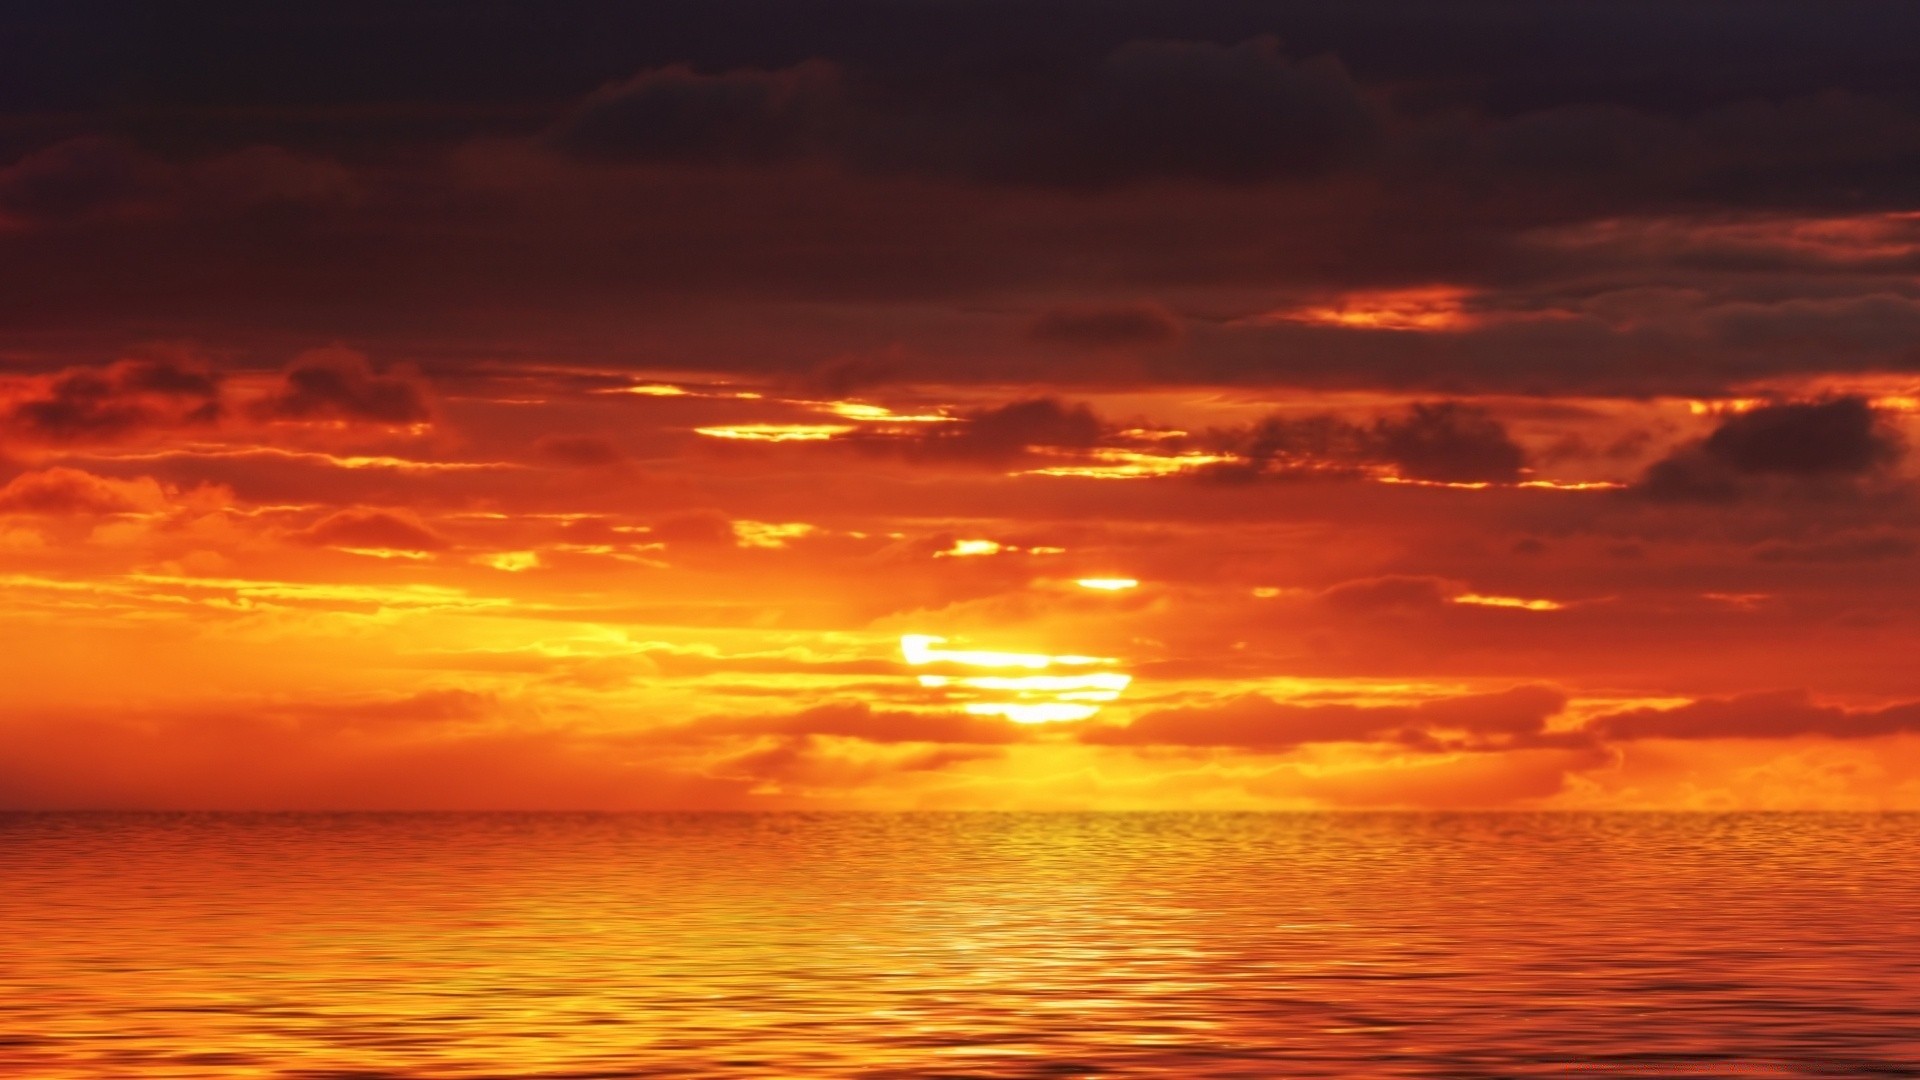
(1428,309)
(1023,699)
(1111,464)
(511,561)
(775,432)
(1108,584)
(966,548)
(1509,602)
(860,410)
(770,534)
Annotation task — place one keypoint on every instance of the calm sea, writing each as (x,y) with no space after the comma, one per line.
(984,945)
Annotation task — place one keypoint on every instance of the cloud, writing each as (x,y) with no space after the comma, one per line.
(419,752)
(1391,592)
(1106,326)
(1469,782)
(998,435)
(1446,441)
(1149,110)
(858,720)
(1449,441)
(61,492)
(1828,442)
(341,385)
(372,529)
(74,180)
(579,451)
(1257,722)
(677,114)
(1844,549)
(1166,109)
(112,402)
(1781,714)
(697,528)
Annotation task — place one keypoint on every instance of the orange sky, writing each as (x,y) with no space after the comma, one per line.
(346,584)
(1272,405)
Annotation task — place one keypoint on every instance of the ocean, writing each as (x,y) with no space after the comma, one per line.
(368,946)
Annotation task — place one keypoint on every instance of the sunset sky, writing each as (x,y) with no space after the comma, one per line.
(897,404)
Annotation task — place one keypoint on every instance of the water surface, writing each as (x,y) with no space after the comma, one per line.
(422,946)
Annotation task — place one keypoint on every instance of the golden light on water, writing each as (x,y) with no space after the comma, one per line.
(1108,584)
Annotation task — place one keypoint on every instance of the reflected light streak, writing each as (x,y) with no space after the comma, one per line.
(1024,699)
(1517,602)
(1428,309)
(1045,712)
(511,561)
(860,410)
(770,534)
(1111,464)
(1108,584)
(966,548)
(775,432)
(920,649)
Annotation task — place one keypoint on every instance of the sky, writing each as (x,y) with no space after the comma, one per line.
(960,404)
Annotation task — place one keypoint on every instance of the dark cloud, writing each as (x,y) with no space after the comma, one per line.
(1449,442)
(73,180)
(61,491)
(1825,442)
(998,435)
(378,529)
(1106,326)
(1151,109)
(1446,441)
(701,528)
(1844,436)
(1393,592)
(1843,549)
(1257,722)
(677,114)
(119,400)
(1198,110)
(858,720)
(1776,715)
(579,451)
(748,186)
(342,385)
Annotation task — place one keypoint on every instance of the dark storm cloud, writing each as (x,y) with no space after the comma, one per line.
(73,180)
(678,114)
(342,385)
(642,181)
(115,401)
(998,435)
(63,492)
(1640,53)
(1151,109)
(1106,326)
(1444,441)
(1821,442)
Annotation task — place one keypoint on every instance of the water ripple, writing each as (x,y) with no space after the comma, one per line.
(370,947)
